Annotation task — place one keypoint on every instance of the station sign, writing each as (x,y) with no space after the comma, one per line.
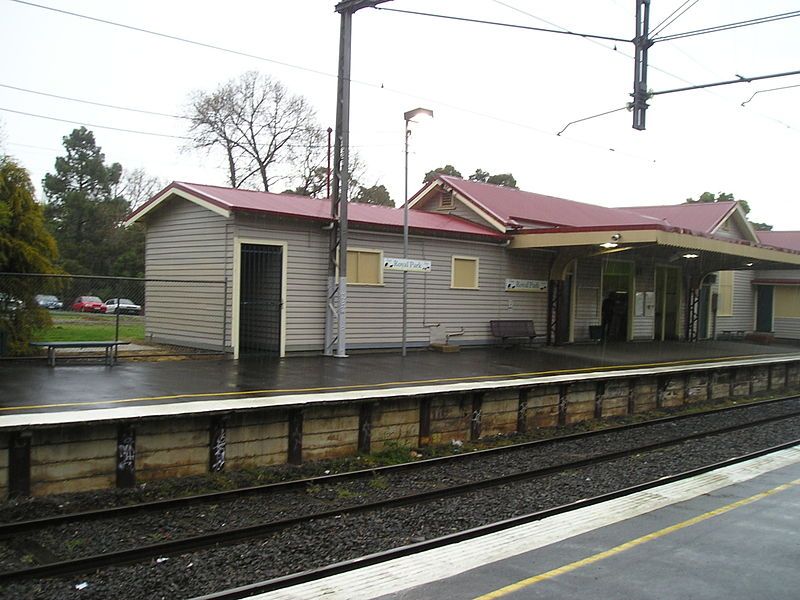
(526,285)
(406,264)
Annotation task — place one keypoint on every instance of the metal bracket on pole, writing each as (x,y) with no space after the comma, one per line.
(641,44)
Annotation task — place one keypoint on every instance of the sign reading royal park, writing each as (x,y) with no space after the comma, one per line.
(406,264)
(526,285)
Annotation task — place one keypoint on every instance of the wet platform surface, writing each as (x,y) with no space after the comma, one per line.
(737,542)
(74,385)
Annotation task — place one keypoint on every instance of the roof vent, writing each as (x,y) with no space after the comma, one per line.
(446,200)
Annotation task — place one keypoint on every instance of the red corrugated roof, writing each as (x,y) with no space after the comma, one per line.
(290,205)
(702,217)
(780,239)
(511,206)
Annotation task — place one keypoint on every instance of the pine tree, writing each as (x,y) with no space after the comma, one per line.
(84,210)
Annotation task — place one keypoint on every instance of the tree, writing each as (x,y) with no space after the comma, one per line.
(85,211)
(503,179)
(268,135)
(724,197)
(315,183)
(25,247)
(480,176)
(377,194)
(445,170)
(137,187)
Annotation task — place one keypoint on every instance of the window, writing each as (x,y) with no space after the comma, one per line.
(464,273)
(725,294)
(787,301)
(365,267)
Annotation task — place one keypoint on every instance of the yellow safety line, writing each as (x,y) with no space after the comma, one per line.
(241,394)
(515,587)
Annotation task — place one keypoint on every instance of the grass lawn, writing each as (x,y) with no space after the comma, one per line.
(85,327)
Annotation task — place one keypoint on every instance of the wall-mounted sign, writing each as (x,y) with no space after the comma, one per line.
(526,285)
(638,310)
(406,264)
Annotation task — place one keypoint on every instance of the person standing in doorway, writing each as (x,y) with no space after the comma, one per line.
(607,314)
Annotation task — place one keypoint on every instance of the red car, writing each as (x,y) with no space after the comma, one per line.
(88,304)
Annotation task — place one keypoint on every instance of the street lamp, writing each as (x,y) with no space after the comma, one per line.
(409,117)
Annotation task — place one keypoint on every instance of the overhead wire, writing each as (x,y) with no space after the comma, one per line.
(669,20)
(175,38)
(93,103)
(165,135)
(784,87)
(563,31)
(651,66)
(294,66)
(501,24)
(84,123)
(602,114)
(602,45)
(727,26)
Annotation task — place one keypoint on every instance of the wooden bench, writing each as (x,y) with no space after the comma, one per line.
(513,328)
(110,348)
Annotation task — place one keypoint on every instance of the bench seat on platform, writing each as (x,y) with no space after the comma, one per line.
(512,328)
(109,346)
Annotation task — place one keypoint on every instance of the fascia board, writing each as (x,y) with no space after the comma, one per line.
(172,191)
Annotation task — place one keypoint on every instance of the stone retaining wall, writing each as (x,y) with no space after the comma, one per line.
(50,460)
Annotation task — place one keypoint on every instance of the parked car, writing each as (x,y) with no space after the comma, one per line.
(49,302)
(9,303)
(88,304)
(124,306)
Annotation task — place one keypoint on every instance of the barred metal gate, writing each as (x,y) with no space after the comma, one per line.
(260,299)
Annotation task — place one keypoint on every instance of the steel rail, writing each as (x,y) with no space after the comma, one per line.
(204,541)
(476,532)
(17,527)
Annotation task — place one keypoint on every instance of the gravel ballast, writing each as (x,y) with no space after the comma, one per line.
(325,541)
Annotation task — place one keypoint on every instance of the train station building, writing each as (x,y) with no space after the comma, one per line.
(580,272)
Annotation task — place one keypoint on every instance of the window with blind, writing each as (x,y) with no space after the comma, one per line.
(725,294)
(787,301)
(364,267)
(464,273)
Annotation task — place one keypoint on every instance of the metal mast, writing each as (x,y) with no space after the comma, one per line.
(336,305)
(641,43)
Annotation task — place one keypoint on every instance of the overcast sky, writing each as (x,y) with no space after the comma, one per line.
(499,95)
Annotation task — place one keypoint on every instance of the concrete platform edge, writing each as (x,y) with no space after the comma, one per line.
(433,565)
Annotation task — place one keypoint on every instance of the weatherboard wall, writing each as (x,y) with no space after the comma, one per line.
(188,243)
(374,312)
(743,305)
(306,273)
(374,315)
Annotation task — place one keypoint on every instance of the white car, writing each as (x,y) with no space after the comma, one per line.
(48,301)
(123,306)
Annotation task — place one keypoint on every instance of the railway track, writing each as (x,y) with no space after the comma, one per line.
(21,526)
(192,543)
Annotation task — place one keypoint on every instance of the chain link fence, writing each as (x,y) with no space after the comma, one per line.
(159,317)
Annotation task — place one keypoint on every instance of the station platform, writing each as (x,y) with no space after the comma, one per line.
(30,387)
(730,534)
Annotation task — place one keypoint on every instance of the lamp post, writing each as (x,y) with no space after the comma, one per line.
(409,118)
